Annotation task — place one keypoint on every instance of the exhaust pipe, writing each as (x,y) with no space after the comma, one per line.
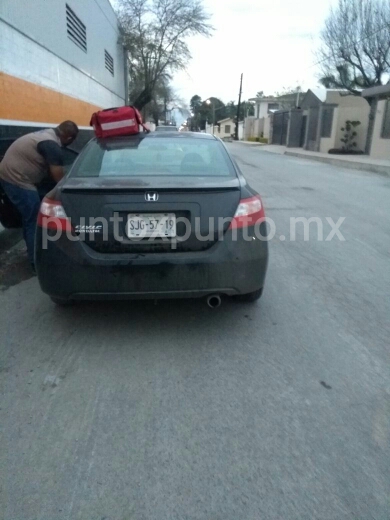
(214,301)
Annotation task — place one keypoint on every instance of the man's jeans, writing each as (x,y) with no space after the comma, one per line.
(27,202)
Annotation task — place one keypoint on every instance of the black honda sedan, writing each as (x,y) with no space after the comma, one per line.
(159,215)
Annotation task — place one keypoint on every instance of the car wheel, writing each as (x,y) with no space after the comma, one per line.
(61,301)
(250,297)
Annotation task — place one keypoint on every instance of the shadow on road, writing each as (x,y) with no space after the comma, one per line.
(153,316)
(14,266)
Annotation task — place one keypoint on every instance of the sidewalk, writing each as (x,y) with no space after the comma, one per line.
(272,148)
(357,162)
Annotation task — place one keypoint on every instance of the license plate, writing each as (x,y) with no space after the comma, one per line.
(143,225)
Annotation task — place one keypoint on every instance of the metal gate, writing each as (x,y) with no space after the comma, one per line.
(312,128)
(303,132)
(280,127)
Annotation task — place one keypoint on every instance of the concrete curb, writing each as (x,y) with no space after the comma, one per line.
(250,143)
(362,166)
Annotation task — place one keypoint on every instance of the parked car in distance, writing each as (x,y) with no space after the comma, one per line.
(158,215)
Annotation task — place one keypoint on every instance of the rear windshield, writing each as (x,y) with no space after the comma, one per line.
(153,156)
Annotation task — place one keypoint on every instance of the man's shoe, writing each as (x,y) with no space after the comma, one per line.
(33,270)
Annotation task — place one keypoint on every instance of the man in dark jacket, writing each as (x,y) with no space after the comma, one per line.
(31,159)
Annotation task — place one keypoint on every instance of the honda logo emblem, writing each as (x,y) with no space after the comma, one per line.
(151,196)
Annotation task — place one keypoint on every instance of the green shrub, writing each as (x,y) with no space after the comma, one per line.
(350,135)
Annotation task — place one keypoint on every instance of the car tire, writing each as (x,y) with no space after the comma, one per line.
(250,297)
(61,301)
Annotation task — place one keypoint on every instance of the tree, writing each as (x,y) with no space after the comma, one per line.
(287,91)
(162,96)
(203,112)
(231,110)
(289,97)
(207,111)
(195,103)
(355,51)
(154,34)
(248,109)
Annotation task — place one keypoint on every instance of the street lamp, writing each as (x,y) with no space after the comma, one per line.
(209,102)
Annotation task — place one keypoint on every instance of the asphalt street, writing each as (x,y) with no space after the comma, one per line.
(278,410)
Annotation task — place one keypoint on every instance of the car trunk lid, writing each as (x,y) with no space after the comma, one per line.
(202,207)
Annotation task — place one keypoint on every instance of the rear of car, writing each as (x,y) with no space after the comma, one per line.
(151,216)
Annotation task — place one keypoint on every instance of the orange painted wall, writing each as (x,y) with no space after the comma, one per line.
(25,101)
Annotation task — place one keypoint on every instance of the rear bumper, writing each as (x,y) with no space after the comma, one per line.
(72,270)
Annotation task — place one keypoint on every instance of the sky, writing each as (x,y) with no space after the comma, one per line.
(272,42)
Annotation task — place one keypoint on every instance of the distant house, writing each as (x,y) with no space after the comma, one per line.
(378,145)
(259,124)
(265,106)
(226,127)
(316,125)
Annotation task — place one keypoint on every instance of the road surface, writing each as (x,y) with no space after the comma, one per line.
(278,410)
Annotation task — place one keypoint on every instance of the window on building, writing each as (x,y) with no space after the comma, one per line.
(227,129)
(327,121)
(75,28)
(109,60)
(272,107)
(386,121)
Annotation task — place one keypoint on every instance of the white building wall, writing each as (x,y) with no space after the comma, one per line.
(222,133)
(241,130)
(263,110)
(248,127)
(208,129)
(45,22)
(380,148)
(267,127)
(22,58)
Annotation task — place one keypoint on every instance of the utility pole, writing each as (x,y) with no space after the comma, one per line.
(211,102)
(238,111)
(298,96)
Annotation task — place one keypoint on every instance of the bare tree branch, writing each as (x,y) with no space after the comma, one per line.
(355,50)
(155,34)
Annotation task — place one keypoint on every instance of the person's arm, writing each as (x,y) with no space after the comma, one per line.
(56,172)
(52,154)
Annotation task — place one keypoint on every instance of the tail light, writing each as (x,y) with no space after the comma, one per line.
(248,213)
(52,216)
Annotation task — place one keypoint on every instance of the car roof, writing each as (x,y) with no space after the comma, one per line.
(180,135)
(159,135)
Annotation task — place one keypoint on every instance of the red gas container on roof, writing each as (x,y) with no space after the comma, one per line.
(114,122)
